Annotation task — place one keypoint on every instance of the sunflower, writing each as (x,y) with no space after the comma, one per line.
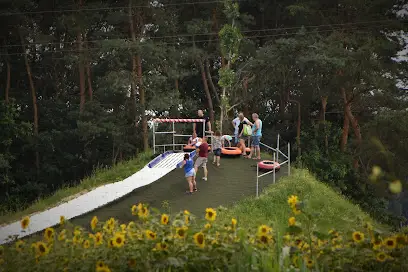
(210,214)
(134,210)
(400,239)
(161,246)
(186,219)
(62,220)
(377,244)
(164,219)
(358,237)
(132,263)
(207,226)
(150,235)
(181,232)
(263,229)
(293,200)
(381,257)
(25,222)
(143,212)
(309,262)
(42,249)
(186,212)
(199,239)
(110,243)
(100,264)
(20,245)
(103,269)
(292,221)
(94,222)
(49,234)
(86,244)
(233,223)
(98,239)
(118,239)
(62,235)
(131,226)
(296,211)
(264,238)
(390,243)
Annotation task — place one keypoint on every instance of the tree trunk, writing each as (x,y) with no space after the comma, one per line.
(8,82)
(142,97)
(323,118)
(35,108)
(137,79)
(81,68)
(245,96)
(207,90)
(346,128)
(298,127)
(213,88)
(88,71)
(176,84)
(353,120)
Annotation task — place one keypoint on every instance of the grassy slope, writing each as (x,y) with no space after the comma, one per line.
(272,208)
(98,178)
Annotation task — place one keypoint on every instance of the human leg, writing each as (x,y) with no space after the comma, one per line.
(204,164)
(243,147)
(255,145)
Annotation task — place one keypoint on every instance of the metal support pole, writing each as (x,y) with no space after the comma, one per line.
(154,137)
(257,179)
(204,128)
(288,159)
(274,170)
(277,148)
(174,132)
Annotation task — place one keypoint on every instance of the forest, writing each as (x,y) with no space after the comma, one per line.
(80,82)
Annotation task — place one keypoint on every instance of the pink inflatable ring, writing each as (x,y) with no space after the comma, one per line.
(269,165)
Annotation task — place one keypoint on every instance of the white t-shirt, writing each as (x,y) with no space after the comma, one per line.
(236,121)
(195,140)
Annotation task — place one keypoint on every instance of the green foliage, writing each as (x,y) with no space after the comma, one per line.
(227,77)
(230,37)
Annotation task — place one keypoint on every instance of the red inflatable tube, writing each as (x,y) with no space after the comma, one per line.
(269,165)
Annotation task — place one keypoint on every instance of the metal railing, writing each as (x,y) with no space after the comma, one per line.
(276,152)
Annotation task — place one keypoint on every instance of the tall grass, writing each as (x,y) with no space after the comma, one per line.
(99,177)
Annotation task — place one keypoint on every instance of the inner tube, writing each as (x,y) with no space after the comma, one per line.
(269,165)
(189,148)
(231,151)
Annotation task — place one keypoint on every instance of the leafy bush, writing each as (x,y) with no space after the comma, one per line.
(158,242)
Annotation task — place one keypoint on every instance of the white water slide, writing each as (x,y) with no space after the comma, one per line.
(159,167)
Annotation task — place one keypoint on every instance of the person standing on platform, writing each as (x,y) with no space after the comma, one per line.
(256,137)
(198,126)
(202,158)
(235,123)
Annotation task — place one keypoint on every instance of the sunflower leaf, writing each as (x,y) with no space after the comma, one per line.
(176,262)
(294,230)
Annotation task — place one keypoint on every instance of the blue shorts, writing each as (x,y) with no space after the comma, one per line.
(190,173)
(255,140)
(217,152)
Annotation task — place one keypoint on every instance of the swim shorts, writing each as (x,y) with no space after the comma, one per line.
(190,173)
(201,161)
(217,152)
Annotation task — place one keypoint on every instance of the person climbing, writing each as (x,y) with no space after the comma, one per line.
(217,144)
(198,127)
(189,172)
(193,139)
(226,138)
(202,159)
(256,137)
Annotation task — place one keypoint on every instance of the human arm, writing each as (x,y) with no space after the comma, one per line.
(209,126)
(183,163)
(257,124)
(194,128)
(248,122)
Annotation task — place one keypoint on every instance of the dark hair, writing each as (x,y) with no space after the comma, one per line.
(217,133)
(186,156)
